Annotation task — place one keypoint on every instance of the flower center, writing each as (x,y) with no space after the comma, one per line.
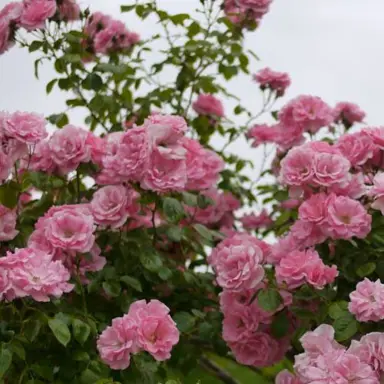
(345,219)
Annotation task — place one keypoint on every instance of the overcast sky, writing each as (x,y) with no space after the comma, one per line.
(331,48)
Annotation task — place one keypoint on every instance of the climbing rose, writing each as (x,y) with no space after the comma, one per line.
(377,191)
(253,221)
(156,331)
(207,104)
(8,219)
(367,301)
(36,12)
(276,81)
(69,10)
(286,377)
(349,113)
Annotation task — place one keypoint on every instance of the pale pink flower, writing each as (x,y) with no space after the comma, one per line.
(112,205)
(237,262)
(306,234)
(207,104)
(203,165)
(286,377)
(41,160)
(117,342)
(300,267)
(259,350)
(165,172)
(308,112)
(96,23)
(33,273)
(23,126)
(370,350)
(348,113)
(264,133)
(68,227)
(69,148)
(377,135)
(5,165)
(355,187)
(356,147)
(69,10)
(367,301)
(12,12)
(346,218)
(156,331)
(275,81)
(8,219)
(322,147)
(297,167)
(377,191)
(314,209)
(239,11)
(330,169)
(36,13)
(253,221)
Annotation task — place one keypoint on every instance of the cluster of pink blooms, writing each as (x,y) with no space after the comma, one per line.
(253,221)
(106,35)
(273,80)
(31,15)
(243,11)
(348,113)
(209,105)
(326,361)
(159,157)
(146,327)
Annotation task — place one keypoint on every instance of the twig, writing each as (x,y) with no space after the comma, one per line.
(217,371)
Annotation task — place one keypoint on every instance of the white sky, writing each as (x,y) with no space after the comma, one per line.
(331,48)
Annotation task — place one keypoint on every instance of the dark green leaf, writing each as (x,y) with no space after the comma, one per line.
(173,210)
(189,199)
(174,233)
(127,8)
(81,330)
(132,282)
(112,288)
(338,309)
(31,329)
(50,86)
(345,327)
(366,269)
(35,45)
(280,325)
(203,231)
(60,330)
(269,299)
(185,322)
(9,194)
(5,360)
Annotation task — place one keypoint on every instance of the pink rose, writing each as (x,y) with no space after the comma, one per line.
(12,12)
(166,171)
(330,169)
(36,12)
(5,42)
(300,267)
(314,209)
(69,148)
(237,262)
(348,113)
(308,112)
(68,227)
(69,10)
(253,221)
(367,301)
(275,81)
(244,10)
(207,104)
(8,219)
(297,167)
(356,147)
(286,377)
(117,342)
(346,218)
(112,205)
(5,165)
(377,135)
(203,166)
(41,160)
(306,234)
(23,126)
(355,187)
(263,133)
(156,331)
(377,191)
(34,273)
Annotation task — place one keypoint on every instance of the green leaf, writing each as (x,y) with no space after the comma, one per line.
(112,288)
(366,269)
(81,330)
(93,81)
(179,18)
(72,58)
(204,201)
(189,199)
(5,360)
(17,348)
(269,299)
(280,325)
(345,327)
(174,233)
(60,330)
(127,8)
(338,309)
(106,67)
(184,321)
(35,45)
(50,86)
(60,119)
(203,231)
(32,329)
(9,194)
(132,282)
(150,260)
(173,210)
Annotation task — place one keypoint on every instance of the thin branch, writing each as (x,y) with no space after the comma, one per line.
(217,371)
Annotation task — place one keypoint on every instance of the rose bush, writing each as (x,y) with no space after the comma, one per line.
(138,248)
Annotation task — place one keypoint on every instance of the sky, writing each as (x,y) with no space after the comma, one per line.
(330,48)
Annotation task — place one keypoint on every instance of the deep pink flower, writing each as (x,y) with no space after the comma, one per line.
(308,112)
(297,167)
(8,219)
(23,126)
(69,10)
(253,221)
(207,104)
(367,301)
(346,218)
(237,262)
(356,147)
(68,227)
(203,165)
(36,13)
(69,148)
(349,113)
(33,273)
(156,331)
(117,342)
(276,81)
(112,205)
(12,12)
